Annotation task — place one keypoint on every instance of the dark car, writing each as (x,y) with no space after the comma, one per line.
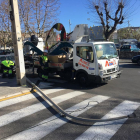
(138,45)
(117,46)
(8,51)
(129,48)
(4,52)
(136,59)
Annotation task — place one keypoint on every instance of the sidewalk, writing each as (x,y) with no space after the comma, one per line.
(9,87)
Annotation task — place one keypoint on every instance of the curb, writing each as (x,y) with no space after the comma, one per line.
(27,91)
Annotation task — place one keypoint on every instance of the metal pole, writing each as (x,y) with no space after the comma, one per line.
(17,42)
(70,25)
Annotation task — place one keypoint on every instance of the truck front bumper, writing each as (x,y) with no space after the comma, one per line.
(108,77)
(104,78)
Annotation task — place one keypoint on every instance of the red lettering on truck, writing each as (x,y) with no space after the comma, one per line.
(83,63)
(110,63)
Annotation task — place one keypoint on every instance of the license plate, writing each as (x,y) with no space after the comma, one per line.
(113,76)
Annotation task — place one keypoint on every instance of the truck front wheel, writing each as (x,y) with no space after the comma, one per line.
(83,79)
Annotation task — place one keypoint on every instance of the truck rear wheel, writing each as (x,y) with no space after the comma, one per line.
(83,79)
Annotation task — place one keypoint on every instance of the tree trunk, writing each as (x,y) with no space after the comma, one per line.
(5,47)
(107,35)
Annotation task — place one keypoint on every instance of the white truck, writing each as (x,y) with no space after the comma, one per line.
(87,62)
(93,62)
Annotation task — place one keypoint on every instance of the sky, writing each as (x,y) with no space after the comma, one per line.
(76,11)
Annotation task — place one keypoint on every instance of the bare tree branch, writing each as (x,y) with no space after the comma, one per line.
(110,13)
(5,28)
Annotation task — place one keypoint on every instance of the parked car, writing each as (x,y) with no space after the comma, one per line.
(129,48)
(136,59)
(138,45)
(117,46)
(4,52)
(8,51)
(6,57)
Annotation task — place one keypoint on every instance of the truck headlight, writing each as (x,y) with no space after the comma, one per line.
(118,68)
(101,73)
(104,71)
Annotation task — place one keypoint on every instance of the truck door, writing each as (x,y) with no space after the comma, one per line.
(84,58)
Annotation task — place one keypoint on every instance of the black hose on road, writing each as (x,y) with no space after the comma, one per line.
(65,114)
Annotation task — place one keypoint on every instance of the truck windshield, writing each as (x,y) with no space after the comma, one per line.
(106,51)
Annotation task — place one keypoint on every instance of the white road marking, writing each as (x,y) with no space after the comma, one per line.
(105,130)
(26,97)
(18,114)
(49,91)
(42,130)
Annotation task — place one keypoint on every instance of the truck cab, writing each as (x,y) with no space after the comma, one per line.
(95,62)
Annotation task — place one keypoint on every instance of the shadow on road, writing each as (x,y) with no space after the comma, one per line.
(131,65)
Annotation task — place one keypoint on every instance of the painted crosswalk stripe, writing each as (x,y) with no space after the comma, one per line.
(44,129)
(26,97)
(49,91)
(18,114)
(105,130)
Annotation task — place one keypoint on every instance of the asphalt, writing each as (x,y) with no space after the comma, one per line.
(119,90)
(9,87)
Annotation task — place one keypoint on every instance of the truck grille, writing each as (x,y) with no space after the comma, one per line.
(111,70)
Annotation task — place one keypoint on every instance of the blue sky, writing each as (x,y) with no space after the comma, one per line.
(76,11)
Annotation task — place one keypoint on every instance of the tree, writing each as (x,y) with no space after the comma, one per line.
(110,13)
(136,34)
(129,32)
(37,16)
(25,13)
(5,28)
